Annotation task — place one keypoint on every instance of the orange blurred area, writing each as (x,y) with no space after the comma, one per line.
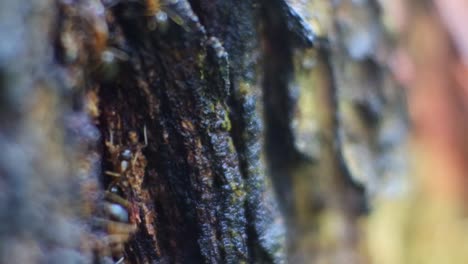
(429,225)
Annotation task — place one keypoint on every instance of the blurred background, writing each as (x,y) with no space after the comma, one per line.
(398,69)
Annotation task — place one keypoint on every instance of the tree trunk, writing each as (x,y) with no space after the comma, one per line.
(144,131)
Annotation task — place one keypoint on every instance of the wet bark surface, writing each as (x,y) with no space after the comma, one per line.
(179,95)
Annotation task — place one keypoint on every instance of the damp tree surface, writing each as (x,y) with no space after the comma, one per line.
(192,131)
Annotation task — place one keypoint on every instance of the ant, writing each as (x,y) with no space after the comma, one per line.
(121,217)
(123,159)
(162,11)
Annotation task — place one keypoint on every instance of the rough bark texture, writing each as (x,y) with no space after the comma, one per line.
(177,96)
(196,191)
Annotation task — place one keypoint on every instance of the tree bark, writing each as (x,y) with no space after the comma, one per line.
(144,131)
